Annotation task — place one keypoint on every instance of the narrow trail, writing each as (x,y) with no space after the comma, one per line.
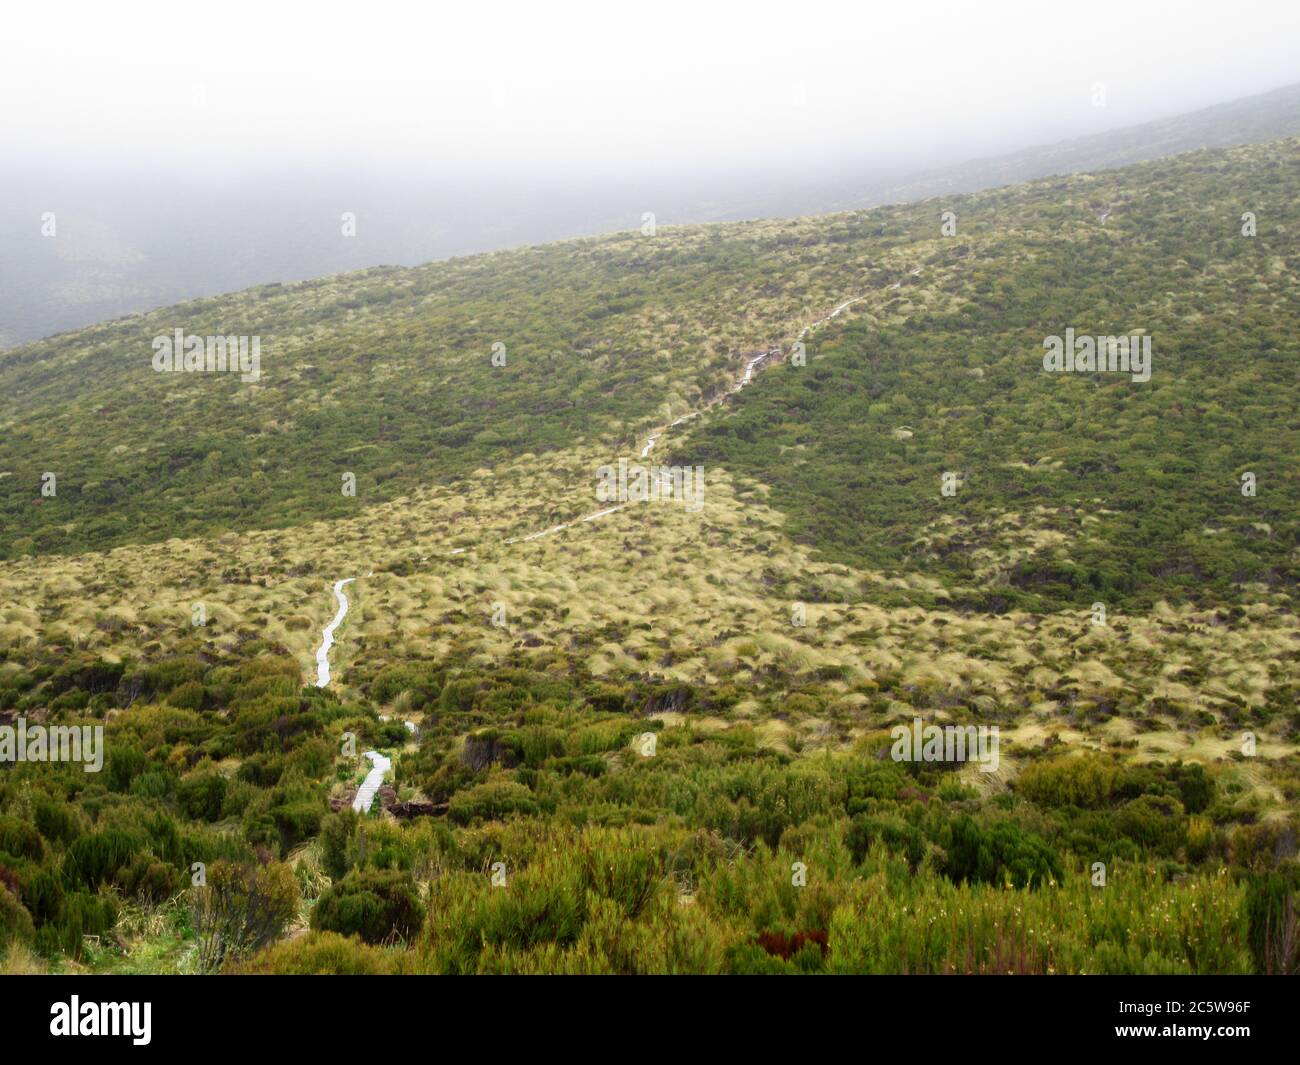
(327,641)
(380,765)
(373,782)
(751,365)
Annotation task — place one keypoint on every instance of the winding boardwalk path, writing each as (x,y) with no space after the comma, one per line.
(380,765)
(327,641)
(751,366)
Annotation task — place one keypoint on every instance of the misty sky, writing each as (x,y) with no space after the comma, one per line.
(588,87)
(190,149)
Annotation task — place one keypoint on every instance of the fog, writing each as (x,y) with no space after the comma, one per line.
(190,150)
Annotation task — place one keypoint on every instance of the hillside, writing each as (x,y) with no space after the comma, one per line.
(126,237)
(670,726)
(388,374)
(1074,486)
(1251,120)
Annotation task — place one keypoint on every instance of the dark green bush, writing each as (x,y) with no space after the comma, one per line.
(124,764)
(43,895)
(492,801)
(1195,787)
(1274,923)
(202,795)
(15,921)
(1002,853)
(335,833)
(1154,821)
(20,839)
(897,835)
(95,859)
(84,914)
(376,904)
(148,879)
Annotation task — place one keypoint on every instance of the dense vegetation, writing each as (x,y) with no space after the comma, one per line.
(562,846)
(388,375)
(673,752)
(1141,482)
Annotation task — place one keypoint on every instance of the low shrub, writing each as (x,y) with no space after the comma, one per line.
(493,801)
(15,920)
(241,909)
(321,954)
(376,904)
(1002,853)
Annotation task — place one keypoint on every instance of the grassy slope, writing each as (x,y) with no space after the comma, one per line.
(386,374)
(770,734)
(1074,487)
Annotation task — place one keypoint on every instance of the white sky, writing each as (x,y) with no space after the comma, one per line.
(570,85)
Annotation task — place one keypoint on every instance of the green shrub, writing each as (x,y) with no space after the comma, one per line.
(96,858)
(321,954)
(545,904)
(1002,853)
(187,696)
(241,909)
(20,839)
(1274,923)
(1154,821)
(314,757)
(335,832)
(57,820)
(1196,788)
(458,696)
(152,784)
(201,796)
(84,914)
(261,770)
(898,836)
(150,880)
(15,921)
(165,839)
(492,801)
(297,818)
(124,763)
(43,895)
(375,904)
(618,866)
(393,680)
(173,673)
(1085,781)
